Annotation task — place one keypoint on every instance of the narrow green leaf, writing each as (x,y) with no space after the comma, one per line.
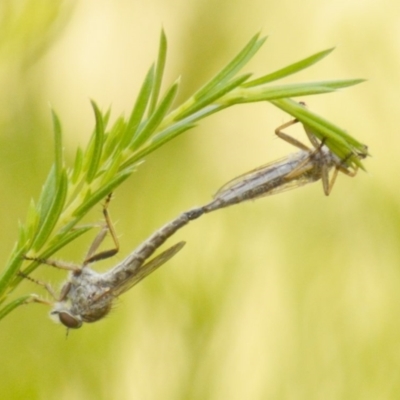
(114,138)
(184,124)
(14,304)
(12,267)
(47,195)
(234,66)
(155,144)
(54,212)
(32,220)
(106,118)
(291,91)
(139,108)
(290,69)
(101,193)
(170,133)
(58,147)
(152,123)
(162,55)
(212,96)
(272,93)
(23,236)
(339,84)
(266,92)
(112,167)
(78,164)
(96,149)
(196,116)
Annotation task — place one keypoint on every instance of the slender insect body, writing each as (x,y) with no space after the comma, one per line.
(88,295)
(127,273)
(295,170)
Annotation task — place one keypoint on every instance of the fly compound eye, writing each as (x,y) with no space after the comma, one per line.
(69,320)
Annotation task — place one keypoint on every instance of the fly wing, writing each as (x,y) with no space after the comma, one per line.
(148,268)
(286,185)
(269,179)
(249,175)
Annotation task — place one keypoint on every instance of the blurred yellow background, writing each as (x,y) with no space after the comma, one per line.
(295,296)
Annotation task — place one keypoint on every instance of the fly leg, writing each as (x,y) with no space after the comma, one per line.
(45,285)
(290,139)
(91,255)
(339,168)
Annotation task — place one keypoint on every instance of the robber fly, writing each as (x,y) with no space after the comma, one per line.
(306,166)
(88,295)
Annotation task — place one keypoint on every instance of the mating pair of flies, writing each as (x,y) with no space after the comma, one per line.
(88,295)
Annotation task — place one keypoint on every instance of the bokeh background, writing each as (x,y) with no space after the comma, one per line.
(295,296)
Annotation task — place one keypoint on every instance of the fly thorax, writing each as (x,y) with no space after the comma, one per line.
(87,299)
(329,159)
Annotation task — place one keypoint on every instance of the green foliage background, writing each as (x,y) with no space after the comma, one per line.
(294,296)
